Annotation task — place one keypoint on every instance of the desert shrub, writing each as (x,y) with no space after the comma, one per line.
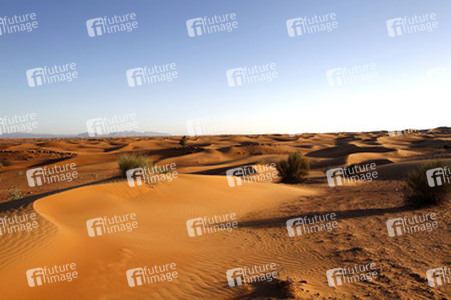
(132,161)
(417,190)
(183,140)
(15,193)
(5,163)
(294,169)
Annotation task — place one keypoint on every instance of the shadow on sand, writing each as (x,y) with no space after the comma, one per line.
(345,214)
(30,199)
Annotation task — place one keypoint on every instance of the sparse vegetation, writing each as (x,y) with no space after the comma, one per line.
(294,169)
(15,193)
(417,191)
(132,161)
(5,163)
(183,141)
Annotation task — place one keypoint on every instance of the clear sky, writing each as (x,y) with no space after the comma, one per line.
(300,99)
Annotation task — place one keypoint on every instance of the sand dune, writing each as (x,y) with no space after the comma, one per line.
(262,210)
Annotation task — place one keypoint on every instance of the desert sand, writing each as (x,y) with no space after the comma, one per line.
(201,189)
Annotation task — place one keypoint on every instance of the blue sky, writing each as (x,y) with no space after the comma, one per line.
(298,100)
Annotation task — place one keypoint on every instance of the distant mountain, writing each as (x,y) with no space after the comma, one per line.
(26,135)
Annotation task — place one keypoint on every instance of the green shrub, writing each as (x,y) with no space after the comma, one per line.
(183,141)
(417,191)
(294,169)
(15,193)
(132,161)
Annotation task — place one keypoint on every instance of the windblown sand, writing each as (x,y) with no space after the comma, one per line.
(201,189)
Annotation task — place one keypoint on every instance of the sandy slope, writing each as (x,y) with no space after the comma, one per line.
(161,238)
(261,238)
(262,210)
